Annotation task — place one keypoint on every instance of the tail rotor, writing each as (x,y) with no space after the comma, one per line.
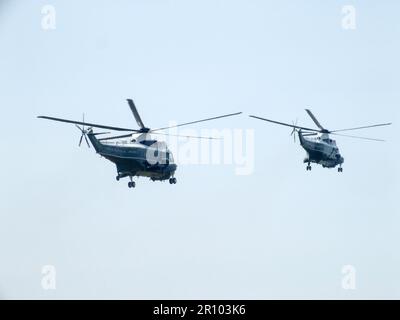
(294,131)
(84,133)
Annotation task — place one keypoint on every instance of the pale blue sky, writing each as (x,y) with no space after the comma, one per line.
(281,232)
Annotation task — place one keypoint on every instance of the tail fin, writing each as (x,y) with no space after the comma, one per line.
(95,143)
(301,138)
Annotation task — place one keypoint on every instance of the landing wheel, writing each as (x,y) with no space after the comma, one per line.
(131,184)
(117,177)
(309,168)
(340,169)
(172,181)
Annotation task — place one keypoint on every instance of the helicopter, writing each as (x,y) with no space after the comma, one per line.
(317,143)
(139,156)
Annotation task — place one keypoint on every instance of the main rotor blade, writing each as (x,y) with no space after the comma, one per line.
(193,122)
(366,127)
(136,113)
(315,119)
(88,124)
(285,124)
(191,137)
(357,137)
(100,133)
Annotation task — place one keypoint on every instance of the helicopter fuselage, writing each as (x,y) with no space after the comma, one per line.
(144,158)
(321,149)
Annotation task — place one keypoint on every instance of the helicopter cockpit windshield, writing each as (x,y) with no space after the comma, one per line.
(162,151)
(170,157)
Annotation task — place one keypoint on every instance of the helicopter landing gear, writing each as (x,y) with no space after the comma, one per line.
(131,184)
(172,181)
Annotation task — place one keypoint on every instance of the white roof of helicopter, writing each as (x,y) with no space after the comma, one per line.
(322,137)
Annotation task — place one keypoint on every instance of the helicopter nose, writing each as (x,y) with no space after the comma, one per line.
(339,158)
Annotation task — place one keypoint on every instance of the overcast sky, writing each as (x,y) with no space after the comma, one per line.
(278,231)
